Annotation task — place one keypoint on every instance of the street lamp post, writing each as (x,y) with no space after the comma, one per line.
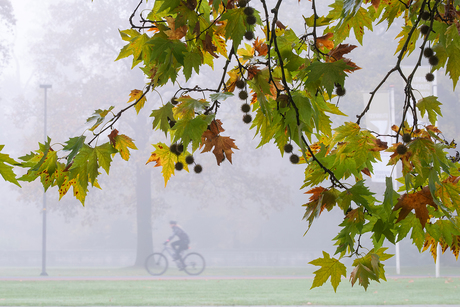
(43,273)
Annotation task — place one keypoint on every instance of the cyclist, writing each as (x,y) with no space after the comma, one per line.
(181,244)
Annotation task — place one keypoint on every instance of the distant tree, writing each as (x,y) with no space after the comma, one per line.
(7,22)
(288,84)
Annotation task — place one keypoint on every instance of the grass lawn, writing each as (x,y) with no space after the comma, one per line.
(199,292)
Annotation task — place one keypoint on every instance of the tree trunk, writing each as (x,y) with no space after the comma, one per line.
(144,215)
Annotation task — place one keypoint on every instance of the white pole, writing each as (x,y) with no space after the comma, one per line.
(438,262)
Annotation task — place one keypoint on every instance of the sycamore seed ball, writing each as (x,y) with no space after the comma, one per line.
(179,166)
(249,35)
(249,11)
(294,159)
(245,108)
(198,168)
(425,15)
(251,20)
(433,60)
(428,52)
(340,91)
(174,101)
(401,149)
(429,77)
(406,137)
(240,84)
(243,95)
(247,118)
(242,3)
(288,148)
(189,159)
(425,29)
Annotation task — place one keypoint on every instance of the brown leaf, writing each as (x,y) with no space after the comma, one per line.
(433,129)
(222,145)
(174,33)
(252,71)
(366,172)
(191,4)
(280,25)
(379,145)
(418,202)
(336,54)
(209,46)
(112,137)
(325,41)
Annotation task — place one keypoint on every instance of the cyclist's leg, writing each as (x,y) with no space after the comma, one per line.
(176,246)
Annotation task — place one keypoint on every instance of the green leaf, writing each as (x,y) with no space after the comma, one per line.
(74,145)
(104,154)
(7,170)
(430,105)
(162,117)
(192,60)
(326,75)
(330,267)
(221,96)
(191,130)
(236,25)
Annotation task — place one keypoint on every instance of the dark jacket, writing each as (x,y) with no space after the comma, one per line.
(180,233)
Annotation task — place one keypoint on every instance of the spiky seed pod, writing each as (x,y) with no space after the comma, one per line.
(433,60)
(242,3)
(240,84)
(243,95)
(428,52)
(406,137)
(294,159)
(424,29)
(340,91)
(425,15)
(249,11)
(173,149)
(247,118)
(198,168)
(288,148)
(180,148)
(174,101)
(179,166)
(251,20)
(401,149)
(249,35)
(245,108)
(429,77)
(189,159)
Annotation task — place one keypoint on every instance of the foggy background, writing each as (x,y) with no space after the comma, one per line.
(248,213)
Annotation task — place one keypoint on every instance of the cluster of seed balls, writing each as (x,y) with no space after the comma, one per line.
(293,157)
(250,18)
(402,148)
(178,149)
(245,107)
(428,52)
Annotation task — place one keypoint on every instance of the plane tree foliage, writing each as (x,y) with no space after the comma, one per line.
(288,83)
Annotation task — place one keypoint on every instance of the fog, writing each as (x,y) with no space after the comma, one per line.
(248,213)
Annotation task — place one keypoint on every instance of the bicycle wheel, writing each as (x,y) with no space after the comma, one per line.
(194,264)
(156,264)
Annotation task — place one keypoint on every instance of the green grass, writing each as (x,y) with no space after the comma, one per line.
(225,292)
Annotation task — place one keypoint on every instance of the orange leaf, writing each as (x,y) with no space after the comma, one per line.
(418,202)
(336,54)
(260,47)
(209,46)
(324,41)
(112,136)
(379,145)
(317,191)
(222,145)
(252,71)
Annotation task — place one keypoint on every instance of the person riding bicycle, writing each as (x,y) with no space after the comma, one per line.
(181,244)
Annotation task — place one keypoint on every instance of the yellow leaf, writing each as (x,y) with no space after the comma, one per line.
(122,143)
(137,95)
(174,33)
(167,160)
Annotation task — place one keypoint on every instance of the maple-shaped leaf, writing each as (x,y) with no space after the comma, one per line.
(330,267)
(6,168)
(122,143)
(74,145)
(418,202)
(236,25)
(231,82)
(327,74)
(453,53)
(192,60)
(166,159)
(325,41)
(173,32)
(188,106)
(369,267)
(321,199)
(336,54)
(104,154)
(432,244)
(260,47)
(430,105)
(209,46)
(139,98)
(191,130)
(222,145)
(162,117)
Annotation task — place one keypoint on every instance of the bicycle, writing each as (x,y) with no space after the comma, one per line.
(157,263)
